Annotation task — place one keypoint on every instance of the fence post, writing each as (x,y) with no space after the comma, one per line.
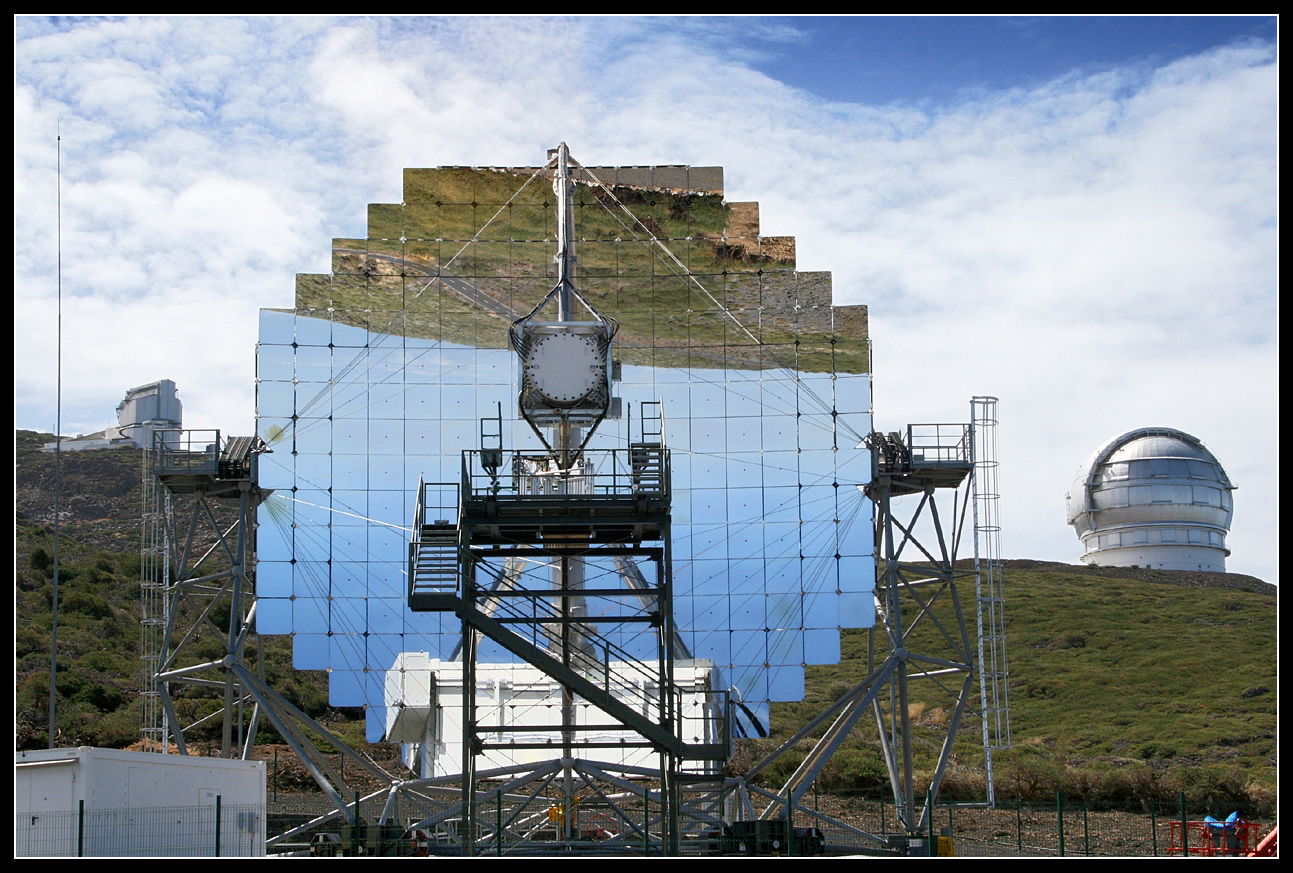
(1185,834)
(1086,829)
(217,847)
(80,828)
(1059,816)
(929,824)
(1153,826)
(1019,823)
(790,829)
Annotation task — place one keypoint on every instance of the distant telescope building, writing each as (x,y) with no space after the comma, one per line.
(148,408)
(1154,497)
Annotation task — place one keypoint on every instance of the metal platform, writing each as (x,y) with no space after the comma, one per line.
(928,456)
(190,461)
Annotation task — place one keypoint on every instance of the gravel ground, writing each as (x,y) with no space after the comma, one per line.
(1007,832)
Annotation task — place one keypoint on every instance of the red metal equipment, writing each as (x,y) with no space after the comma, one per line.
(1207,839)
(1269,847)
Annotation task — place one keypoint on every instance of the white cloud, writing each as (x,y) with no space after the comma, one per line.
(1100,251)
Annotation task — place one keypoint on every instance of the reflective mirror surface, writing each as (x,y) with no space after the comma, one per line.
(381,374)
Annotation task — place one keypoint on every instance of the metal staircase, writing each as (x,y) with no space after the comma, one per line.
(501,522)
(433,559)
(647,456)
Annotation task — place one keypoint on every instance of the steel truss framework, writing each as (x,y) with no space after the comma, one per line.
(922,635)
(198,566)
(574,804)
(921,632)
(619,519)
(577,806)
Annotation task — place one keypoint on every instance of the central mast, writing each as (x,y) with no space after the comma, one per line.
(565,257)
(564,435)
(568,574)
(532,525)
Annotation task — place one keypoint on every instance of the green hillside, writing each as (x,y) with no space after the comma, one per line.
(99,667)
(1123,682)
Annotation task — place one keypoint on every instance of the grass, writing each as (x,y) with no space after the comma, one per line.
(99,631)
(1118,687)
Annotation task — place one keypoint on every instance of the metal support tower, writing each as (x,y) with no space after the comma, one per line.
(618,520)
(154,555)
(200,499)
(920,634)
(199,611)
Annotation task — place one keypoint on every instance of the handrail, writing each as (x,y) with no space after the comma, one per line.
(939,443)
(416,540)
(637,471)
(176,450)
(419,509)
(419,512)
(631,684)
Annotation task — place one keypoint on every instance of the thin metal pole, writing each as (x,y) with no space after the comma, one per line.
(58,456)
(646,821)
(1086,830)
(1059,817)
(469,649)
(928,816)
(1153,827)
(1019,823)
(217,829)
(80,828)
(565,232)
(790,825)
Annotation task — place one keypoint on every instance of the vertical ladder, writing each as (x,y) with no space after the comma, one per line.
(994,693)
(491,442)
(646,455)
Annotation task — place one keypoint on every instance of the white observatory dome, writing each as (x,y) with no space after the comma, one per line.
(1154,497)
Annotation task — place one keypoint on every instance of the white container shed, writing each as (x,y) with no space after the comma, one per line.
(114,803)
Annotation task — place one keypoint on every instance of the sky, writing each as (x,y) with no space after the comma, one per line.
(1075,215)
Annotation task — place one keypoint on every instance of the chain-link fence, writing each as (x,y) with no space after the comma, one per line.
(1012,829)
(1061,828)
(174,832)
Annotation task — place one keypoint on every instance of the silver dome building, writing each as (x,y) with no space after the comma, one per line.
(1153,497)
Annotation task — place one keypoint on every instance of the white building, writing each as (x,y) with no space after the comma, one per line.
(148,408)
(113,803)
(424,712)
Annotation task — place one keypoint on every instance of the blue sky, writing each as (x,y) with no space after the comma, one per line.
(1078,216)
(934,61)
